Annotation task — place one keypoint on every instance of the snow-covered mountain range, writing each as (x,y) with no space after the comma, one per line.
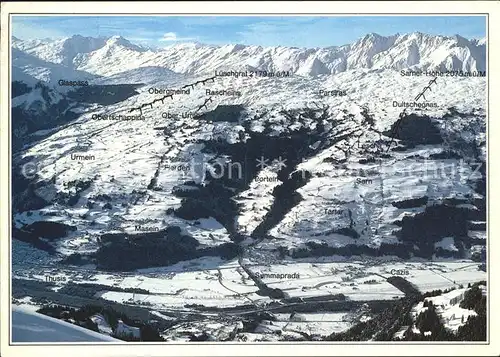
(106,57)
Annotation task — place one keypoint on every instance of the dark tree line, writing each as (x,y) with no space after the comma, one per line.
(82,317)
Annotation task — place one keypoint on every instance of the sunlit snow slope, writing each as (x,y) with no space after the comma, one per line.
(29,326)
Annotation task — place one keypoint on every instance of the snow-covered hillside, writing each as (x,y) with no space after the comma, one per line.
(59,51)
(29,327)
(143,75)
(24,64)
(132,162)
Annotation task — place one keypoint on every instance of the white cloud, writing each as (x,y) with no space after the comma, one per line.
(172,37)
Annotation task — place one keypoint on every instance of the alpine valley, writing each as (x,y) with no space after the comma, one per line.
(245,193)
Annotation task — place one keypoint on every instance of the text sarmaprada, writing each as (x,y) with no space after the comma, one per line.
(278,276)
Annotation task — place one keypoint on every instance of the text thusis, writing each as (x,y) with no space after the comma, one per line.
(55,279)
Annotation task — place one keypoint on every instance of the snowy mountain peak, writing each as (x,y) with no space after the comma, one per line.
(123,42)
(119,40)
(371,36)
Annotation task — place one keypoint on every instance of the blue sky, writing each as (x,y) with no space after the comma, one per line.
(298,31)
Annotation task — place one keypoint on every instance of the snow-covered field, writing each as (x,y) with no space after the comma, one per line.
(315,323)
(215,283)
(367,280)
